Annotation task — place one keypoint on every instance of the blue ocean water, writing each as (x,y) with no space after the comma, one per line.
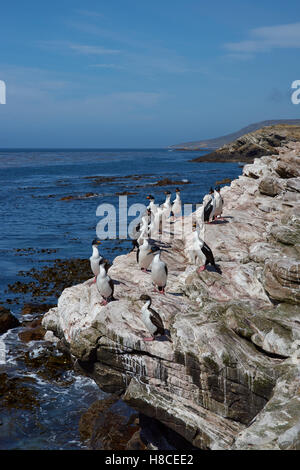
(35,217)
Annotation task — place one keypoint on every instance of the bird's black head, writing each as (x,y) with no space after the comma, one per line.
(145,298)
(150,197)
(104,264)
(177,190)
(211,191)
(96,242)
(155,249)
(167,192)
(218,188)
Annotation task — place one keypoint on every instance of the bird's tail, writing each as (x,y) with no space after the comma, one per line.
(167,335)
(218,269)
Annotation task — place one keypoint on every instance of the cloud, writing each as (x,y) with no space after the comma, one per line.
(83,49)
(266,38)
(93,14)
(48,92)
(106,66)
(240,56)
(92,50)
(144,57)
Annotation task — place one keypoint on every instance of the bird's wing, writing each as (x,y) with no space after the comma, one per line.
(208,253)
(166,269)
(112,286)
(156,320)
(207,211)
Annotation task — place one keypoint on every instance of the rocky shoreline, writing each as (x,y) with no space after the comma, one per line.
(262,142)
(231,377)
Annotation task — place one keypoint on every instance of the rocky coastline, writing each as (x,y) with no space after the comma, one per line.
(231,377)
(262,142)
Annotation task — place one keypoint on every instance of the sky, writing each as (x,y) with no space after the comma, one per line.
(135,73)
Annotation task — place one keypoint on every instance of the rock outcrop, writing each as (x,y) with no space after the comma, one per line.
(226,139)
(7,320)
(230,377)
(261,142)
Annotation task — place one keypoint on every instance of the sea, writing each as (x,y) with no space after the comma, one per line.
(49,210)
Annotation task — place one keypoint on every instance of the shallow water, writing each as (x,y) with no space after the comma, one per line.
(38,227)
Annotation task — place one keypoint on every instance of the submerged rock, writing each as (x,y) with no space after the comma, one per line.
(103,428)
(17,392)
(7,320)
(235,336)
(33,331)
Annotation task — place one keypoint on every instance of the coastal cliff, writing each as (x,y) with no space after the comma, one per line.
(226,139)
(230,379)
(261,142)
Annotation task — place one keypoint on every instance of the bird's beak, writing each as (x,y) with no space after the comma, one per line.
(98,242)
(147,197)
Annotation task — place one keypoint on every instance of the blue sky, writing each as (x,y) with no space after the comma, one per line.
(134,73)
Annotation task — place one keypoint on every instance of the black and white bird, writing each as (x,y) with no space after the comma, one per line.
(177,206)
(219,204)
(152,206)
(200,216)
(134,236)
(105,284)
(95,258)
(159,270)
(167,206)
(209,208)
(144,254)
(152,320)
(156,225)
(146,219)
(207,197)
(144,231)
(200,251)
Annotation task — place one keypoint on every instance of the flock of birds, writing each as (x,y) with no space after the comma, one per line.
(148,253)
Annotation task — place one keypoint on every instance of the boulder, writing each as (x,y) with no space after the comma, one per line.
(7,320)
(282,279)
(270,186)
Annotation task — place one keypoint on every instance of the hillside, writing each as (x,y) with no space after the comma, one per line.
(219,141)
(263,141)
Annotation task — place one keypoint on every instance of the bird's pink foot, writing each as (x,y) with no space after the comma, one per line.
(149,339)
(202,268)
(95,280)
(104,302)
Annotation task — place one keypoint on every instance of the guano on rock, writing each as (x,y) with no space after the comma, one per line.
(231,377)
